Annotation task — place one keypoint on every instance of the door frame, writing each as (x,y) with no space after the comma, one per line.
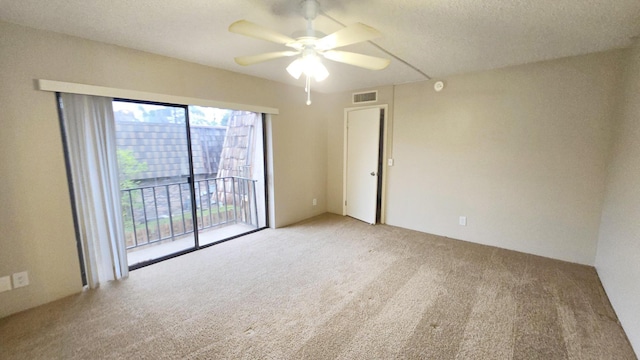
(385,140)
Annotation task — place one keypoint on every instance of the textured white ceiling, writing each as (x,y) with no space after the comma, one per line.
(439,37)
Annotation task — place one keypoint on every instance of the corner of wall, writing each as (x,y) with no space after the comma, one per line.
(619,232)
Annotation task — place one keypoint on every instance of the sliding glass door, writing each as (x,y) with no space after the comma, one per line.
(155,180)
(187,168)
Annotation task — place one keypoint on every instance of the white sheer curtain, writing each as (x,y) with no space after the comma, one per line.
(90,136)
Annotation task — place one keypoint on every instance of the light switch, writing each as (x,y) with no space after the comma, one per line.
(390,162)
(20,279)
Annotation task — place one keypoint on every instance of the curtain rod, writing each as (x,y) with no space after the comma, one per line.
(84,89)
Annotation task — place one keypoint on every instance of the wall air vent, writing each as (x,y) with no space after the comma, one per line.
(365,97)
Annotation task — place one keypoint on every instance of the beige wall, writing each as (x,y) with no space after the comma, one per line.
(35,216)
(618,259)
(521,152)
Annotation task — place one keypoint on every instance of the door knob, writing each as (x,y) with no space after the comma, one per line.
(373,174)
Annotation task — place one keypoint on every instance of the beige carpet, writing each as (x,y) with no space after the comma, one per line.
(332,288)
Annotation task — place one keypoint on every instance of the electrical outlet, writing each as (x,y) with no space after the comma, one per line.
(315,202)
(463,221)
(20,279)
(5,283)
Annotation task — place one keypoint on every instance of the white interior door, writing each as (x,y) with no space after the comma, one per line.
(363,141)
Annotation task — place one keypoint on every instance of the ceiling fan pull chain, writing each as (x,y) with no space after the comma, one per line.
(307,88)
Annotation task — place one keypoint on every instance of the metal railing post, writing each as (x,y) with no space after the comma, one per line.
(166,191)
(255,202)
(184,224)
(144,208)
(217,203)
(209,203)
(199,195)
(224,191)
(235,209)
(133,219)
(155,205)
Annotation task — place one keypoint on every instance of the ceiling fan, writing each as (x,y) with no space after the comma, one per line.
(310,46)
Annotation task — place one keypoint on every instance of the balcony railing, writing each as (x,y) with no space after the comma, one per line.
(164,212)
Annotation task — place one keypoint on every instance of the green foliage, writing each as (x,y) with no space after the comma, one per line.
(198,117)
(129,168)
(225,119)
(165,115)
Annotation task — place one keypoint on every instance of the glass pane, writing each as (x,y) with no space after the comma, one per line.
(228,161)
(153,161)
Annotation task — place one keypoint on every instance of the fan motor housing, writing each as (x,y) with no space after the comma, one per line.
(310,9)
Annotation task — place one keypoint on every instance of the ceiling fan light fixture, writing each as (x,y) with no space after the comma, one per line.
(295,68)
(318,71)
(310,65)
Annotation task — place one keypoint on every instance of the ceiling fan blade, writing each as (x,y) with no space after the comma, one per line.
(351,34)
(254,59)
(247,28)
(355,59)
